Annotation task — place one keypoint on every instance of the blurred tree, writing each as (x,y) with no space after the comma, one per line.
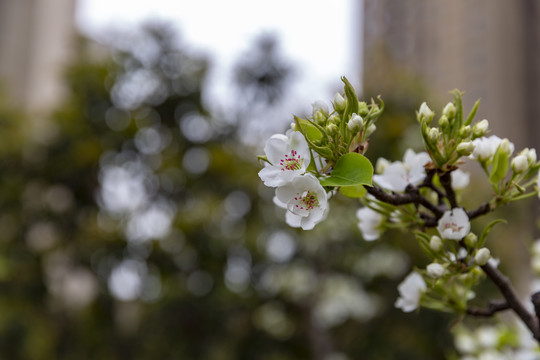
(137,229)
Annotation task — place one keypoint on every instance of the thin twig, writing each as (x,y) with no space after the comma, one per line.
(504,285)
(493,308)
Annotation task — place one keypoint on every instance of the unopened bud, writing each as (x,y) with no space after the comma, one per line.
(506,147)
(449,110)
(334,119)
(433,134)
(320,105)
(319,117)
(471,239)
(355,123)
(339,102)
(435,243)
(480,128)
(332,129)
(293,126)
(363,109)
(482,256)
(381,164)
(465,148)
(425,113)
(465,131)
(435,270)
(520,164)
(531,156)
(444,122)
(371,129)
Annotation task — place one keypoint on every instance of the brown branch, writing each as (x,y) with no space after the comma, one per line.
(506,289)
(481,210)
(493,307)
(411,196)
(446,182)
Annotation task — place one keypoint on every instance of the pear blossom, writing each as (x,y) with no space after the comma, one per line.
(485,147)
(460,179)
(520,163)
(454,224)
(289,156)
(449,110)
(410,292)
(305,200)
(397,175)
(369,223)
(356,122)
(482,256)
(435,243)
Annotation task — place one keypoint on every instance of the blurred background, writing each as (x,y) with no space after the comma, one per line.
(133,222)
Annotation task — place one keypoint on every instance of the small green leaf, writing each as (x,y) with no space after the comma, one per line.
(500,166)
(353,191)
(487,229)
(472,113)
(350,169)
(309,129)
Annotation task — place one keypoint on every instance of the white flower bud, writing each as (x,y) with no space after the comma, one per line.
(425,113)
(381,164)
(355,123)
(320,105)
(465,148)
(520,164)
(465,131)
(293,126)
(435,243)
(449,110)
(506,147)
(433,134)
(480,128)
(371,129)
(471,239)
(332,129)
(339,102)
(531,156)
(435,270)
(482,256)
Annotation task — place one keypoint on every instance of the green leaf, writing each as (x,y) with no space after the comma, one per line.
(353,191)
(350,169)
(500,166)
(472,113)
(309,129)
(487,229)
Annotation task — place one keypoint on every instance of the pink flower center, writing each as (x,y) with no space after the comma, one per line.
(291,162)
(307,201)
(453,226)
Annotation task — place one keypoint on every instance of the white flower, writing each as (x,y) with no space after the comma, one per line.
(425,112)
(369,223)
(520,163)
(305,200)
(435,270)
(485,147)
(410,292)
(289,156)
(454,224)
(460,179)
(482,256)
(398,175)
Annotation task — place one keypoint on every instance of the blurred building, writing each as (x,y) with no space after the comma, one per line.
(36,38)
(488,48)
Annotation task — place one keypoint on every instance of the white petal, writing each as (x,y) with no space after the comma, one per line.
(276,148)
(293,220)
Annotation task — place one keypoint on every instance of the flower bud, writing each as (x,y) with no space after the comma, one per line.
(435,270)
(449,110)
(520,164)
(334,119)
(465,131)
(425,113)
(506,147)
(371,129)
(355,123)
(363,109)
(433,134)
(339,102)
(471,239)
(320,106)
(482,256)
(332,129)
(465,148)
(381,164)
(531,156)
(293,126)
(480,128)
(435,243)
(444,122)
(319,117)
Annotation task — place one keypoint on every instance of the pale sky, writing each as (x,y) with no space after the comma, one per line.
(321,37)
